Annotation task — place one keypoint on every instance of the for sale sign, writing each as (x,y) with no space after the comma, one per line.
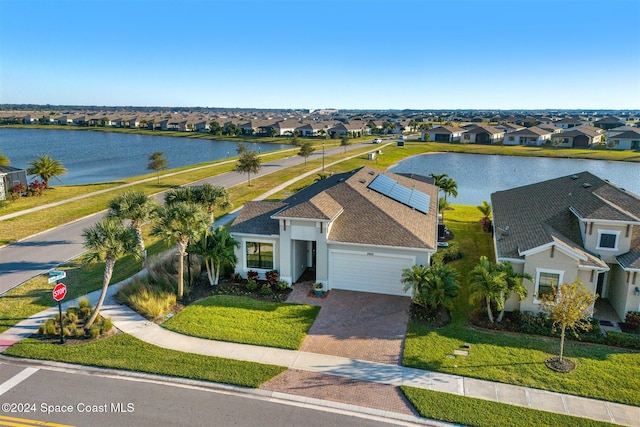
(59,292)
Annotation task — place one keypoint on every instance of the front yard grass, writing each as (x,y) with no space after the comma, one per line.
(245,320)
(602,372)
(474,412)
(123,351)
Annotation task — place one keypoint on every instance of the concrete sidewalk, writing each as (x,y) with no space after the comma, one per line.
(132,323)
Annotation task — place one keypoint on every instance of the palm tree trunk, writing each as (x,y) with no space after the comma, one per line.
(501,315)
(489,313)
(182,249)
(108,271)
(217,277)
(143,251)
(209,265)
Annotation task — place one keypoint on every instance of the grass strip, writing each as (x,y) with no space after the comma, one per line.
(474,412)
(245,320)
(123,351)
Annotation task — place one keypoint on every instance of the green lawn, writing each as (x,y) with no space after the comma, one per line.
(246,320)
(126,352)
(473,412)
(602,372)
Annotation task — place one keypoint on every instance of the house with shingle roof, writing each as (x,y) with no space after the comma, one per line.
(573,227)
(528,136)
(356,231)
(483,134)
(628,140)
(443,134)
(578,137)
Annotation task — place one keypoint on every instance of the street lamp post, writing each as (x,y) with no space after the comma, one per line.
(322,156)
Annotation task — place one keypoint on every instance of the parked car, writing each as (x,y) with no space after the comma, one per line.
(377,141)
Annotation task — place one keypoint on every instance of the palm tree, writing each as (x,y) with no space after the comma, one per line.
(217,250)
(432,287)
(210,197)
(180,194)
(449,187)
(487,284)
(138,208)
(485,209)
(106,241)
(46,168)
(4,160)
(443,205)
(182,221)
(514,284)
(438,178)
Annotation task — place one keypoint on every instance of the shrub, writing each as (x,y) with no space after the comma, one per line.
(251,285)
(632,318)
(282,285)
(622,339)
(151,301)
(36,188)
(266,289)
(84,303)
(17,191)
(445,255)
(94,331)
(252,275)
(541,324)
(107,325)
(272,276)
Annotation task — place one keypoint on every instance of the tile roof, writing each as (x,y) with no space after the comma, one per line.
(549,212)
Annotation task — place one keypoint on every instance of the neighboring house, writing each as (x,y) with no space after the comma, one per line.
(629,140)
(443,134)
(356,230)
(356,129)
(483,134)
(569,122)
(609,122)
(311,129)
(179,125)
(10,176)
(550,127)
(528,136)
(580,137)
(576,226)
(509,127)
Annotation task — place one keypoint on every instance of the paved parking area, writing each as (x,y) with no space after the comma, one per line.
(357,325)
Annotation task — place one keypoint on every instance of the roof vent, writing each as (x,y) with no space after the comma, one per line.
(574,176)
(362,181)
(586,185)
(372,173)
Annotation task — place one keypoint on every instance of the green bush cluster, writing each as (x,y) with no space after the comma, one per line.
(632,318)
(448,254)
(73,320)
(541,324)
(251,285)
(621,339)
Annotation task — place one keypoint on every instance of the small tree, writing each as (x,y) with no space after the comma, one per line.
(46,168)
(157,163)
(344,142)
(569,306)
(248,163)
(306,149)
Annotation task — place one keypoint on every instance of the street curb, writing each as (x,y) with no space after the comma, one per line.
(260,394)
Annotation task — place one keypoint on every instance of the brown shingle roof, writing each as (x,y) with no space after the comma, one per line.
(548,211)
(255,218)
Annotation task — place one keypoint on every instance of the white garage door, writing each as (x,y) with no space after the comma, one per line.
(367,273)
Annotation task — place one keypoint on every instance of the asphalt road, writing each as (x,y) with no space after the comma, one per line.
(88,397)
(38,254)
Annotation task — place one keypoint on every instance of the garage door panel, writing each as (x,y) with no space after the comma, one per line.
(368,273)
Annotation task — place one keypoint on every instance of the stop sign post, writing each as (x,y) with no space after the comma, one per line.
(59,292)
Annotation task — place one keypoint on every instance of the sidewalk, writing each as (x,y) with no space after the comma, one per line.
(132,323)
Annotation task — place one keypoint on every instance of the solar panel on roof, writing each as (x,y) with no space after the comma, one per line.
(413,198)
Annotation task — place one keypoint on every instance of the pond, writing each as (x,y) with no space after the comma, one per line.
(480,175)
(92,157)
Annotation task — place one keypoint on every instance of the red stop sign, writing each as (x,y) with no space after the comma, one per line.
(59,292)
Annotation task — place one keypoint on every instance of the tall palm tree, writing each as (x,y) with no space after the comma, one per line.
(4,160)
(46,168)
(438,178)
(182,222)
(513,284)
(487,285)
(217,250)
(106,241)
(210,197)
(449,187)
(138,208)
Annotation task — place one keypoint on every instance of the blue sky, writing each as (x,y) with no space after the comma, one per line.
(363,54)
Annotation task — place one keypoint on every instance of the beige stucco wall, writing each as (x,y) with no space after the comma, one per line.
(624,241)
(241,267)
(622,287)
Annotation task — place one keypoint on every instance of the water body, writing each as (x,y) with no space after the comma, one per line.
(480,175)
(92,157)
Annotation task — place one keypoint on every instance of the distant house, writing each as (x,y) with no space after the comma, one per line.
(528,136)
(569,122)
(309,129)
(179,125)
(483,134)
(443,134)
(579,137)
(508,127)
(574,227)
(629,140)
(355,129)
(609,122)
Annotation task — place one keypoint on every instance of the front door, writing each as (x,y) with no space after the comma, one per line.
(600,286)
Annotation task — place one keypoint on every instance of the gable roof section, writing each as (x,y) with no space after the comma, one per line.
(320,207)
(448,130)
(532,131)
(484,128)
(550,212)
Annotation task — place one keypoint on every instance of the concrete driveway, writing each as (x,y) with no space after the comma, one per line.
(357,325)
